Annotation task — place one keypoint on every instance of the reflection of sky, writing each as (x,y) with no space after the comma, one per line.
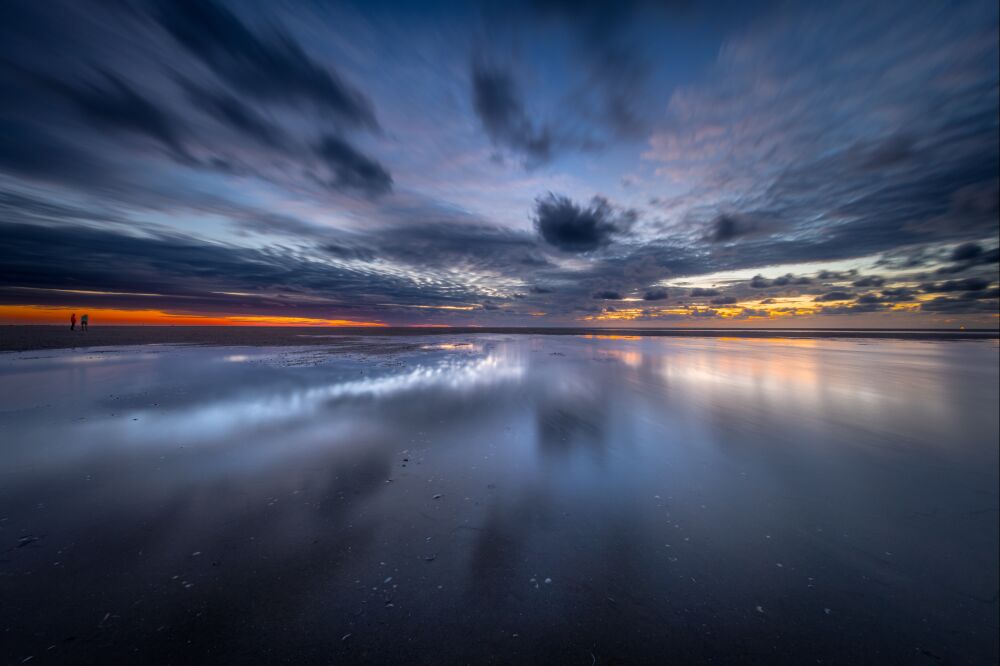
(636,465)
(452,374)
(810,384)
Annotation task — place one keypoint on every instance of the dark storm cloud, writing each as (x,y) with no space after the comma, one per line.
(968,256)
(273,68)
(724,228)
(855,308)
(29,150)
(112,104)
(656,295)
(966,251)
(459,246)
(836,275)
(352,169)
(608,295)
(788,278)
(724,300)
(730,226)
(968,284)
(971,303)
(835,296)
(233,112)
(74,121)
(574,228)
(898,294)
(498,104)
(869,281)
(701,291)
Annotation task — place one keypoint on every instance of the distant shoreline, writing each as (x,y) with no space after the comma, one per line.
(30,337)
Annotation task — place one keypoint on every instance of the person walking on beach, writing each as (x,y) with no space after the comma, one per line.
(72,322)
(84,321)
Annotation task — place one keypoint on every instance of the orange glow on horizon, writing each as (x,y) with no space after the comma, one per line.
(37,314)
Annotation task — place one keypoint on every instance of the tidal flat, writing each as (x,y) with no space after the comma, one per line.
(502,498)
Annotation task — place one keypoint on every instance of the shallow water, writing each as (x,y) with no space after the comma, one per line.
(502,499)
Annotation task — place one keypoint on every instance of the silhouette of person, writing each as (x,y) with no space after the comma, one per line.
(72,322)
(84,321)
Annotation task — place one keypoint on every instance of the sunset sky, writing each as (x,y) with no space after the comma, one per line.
(545,163)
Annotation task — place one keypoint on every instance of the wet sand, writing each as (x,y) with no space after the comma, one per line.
(444,499)
(24,338)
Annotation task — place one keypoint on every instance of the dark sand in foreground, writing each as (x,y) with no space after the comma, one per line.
(499,499)
(25,338)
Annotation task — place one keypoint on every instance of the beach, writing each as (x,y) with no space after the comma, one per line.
(26,337)
(498,498)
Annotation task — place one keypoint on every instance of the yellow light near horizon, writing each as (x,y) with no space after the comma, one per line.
(623,315)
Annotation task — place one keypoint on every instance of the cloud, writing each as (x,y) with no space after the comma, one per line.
(968,284)
(974,303)
(351,169)
(112,104)
(788,278)
(236,114)
(730,226)
(618,77)
(243,119)
(497,102)
(886,152)
(869,281)
(273,69)
(966,251)
(898,294)
(761,133)
(855,308)
(724,228)
(615,92)
(32,152)
(75,121)
(835,296)
(190,274)
(608,295)
(350,253)
(968,256)
(574,228)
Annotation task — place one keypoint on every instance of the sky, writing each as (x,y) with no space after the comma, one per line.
(547,163)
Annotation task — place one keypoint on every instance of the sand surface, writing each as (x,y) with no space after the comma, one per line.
(23,338)
(500,499)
